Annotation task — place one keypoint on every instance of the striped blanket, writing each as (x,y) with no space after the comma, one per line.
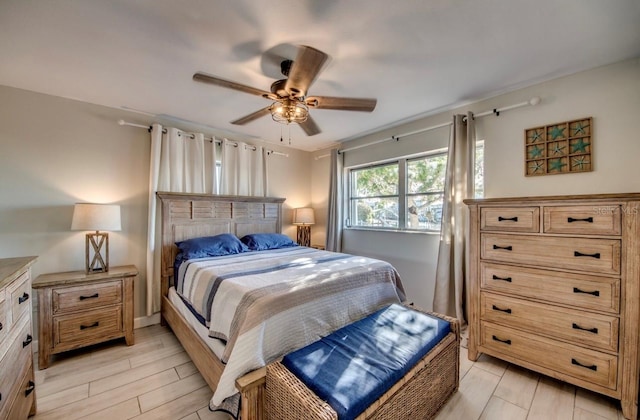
(265,304)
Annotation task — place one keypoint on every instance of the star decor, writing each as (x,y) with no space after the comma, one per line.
(535,136)
(557,149)
(579,129)
(535,167)
(536,152)
(557,131)
(556,165)
(580,146)
(579,162)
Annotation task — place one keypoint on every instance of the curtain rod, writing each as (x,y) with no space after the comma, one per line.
(190,135)
(533,101)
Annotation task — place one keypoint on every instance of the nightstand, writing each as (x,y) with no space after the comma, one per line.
(77,309)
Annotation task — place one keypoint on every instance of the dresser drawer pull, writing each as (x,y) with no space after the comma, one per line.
(507,279)
(506,248)
(30,388)
(571,220)
(591,330)
(1,326)
(28,341)
(507,219)
(495,308)
(23,298)
(580,254)
(507,342)
(93,296)
(594,293)
(592,367)
(95,324)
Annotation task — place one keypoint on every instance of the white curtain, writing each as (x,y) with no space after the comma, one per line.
(180,162)
(244,169)
(334,217)
(451,289)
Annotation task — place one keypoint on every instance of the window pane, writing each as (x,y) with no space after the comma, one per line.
(375,181)
(424,211)
(375,212)
(426,174)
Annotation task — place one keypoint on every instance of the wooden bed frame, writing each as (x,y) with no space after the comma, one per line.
(186,216)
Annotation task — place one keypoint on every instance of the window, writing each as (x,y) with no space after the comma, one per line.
(405,194)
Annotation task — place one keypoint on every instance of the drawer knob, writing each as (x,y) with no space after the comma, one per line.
(507,279)
(506,248)
(592,367)
(30,387)
(588,219)
(495,338)
(93,296)
(594,293)
(28,341)
(591,330)
(23,298)
(508,310)
(507,219)
(95,324)
(580,254)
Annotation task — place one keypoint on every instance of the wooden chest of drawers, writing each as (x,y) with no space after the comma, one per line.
(17,396)
(76,309)
(555,287)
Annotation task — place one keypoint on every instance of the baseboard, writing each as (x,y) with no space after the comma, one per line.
(145,321)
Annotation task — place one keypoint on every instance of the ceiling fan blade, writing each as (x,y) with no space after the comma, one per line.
(212,80)
(344,104)
(304,70)
(310,127)
(253,116)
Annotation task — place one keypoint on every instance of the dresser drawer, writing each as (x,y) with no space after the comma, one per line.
(19,296)
(512,219)
(14,362)
(567,359)
(590,255)
(70,299)
(579,327)
(4,322)
(578,290)
(21,405)
(584,220)
(87,327)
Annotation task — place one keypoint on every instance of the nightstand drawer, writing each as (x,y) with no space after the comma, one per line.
(579,327)
(70,299)
(583,220)
(19,296)
(565,359)
(14,363)
(577,290)
(512,219)
(87,327)
(590,255)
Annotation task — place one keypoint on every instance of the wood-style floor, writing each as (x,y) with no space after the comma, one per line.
(155,379)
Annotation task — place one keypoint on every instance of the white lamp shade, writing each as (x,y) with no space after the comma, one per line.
(304,216)
(96,217)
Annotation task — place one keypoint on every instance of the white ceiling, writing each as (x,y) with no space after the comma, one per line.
(414,56)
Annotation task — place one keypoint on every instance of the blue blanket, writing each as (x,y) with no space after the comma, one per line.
(357,364)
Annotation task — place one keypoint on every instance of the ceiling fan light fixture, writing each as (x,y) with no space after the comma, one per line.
(289,111)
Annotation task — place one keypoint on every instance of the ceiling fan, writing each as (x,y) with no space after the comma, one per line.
(290,101)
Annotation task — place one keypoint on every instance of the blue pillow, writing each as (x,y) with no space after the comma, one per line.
(263,241)
(210,246)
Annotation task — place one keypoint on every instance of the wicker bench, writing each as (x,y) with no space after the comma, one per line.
(419,394)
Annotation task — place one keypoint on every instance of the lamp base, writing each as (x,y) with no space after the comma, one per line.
(304,235)
(97,241)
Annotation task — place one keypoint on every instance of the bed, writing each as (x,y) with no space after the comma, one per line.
(297,294)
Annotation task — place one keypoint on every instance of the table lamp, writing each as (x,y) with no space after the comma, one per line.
(304,218)
(96,217)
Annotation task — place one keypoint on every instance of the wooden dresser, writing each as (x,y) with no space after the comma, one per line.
(17,396)
(76,309)
(554,287)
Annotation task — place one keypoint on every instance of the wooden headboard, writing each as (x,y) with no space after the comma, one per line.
(186,216)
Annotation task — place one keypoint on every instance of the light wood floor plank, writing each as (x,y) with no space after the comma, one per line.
(64,397)
(499,409)
(125,410)
(152,356)
(465,363)
(179,407)
(491,364)
(580,414)
(553,400)
(170,392)
(186,369)
(518,386)
(597,404)
(192,416)
(79,377)
(475,391)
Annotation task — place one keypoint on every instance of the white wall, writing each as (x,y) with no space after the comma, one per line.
(611,95)
(55,152)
